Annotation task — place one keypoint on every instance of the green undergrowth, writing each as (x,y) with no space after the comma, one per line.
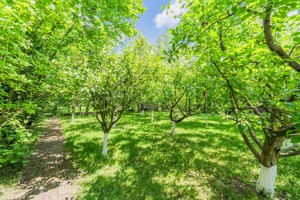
(19,155)
(144,162)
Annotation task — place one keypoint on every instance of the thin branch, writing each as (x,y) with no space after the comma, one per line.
(177,101)
(221,19)
(222,46)
(292,50)
(14,115)
(236,108)
(293,135)
(256,140)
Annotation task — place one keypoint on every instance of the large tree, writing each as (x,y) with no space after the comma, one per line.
(234,40)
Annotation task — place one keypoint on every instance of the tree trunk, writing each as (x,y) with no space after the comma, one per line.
(152,116)
(73,115)
(143,112)
(115,124)
(266,180)
(87,109)
(80,109)
(104,149)
(206,122)
(268,171)
(173,128)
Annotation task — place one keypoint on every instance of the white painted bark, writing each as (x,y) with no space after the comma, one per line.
(173,128)
(104,149)
(152,116)
(266,180)
(115,124)
(287,143)
(206,122)
(73,117)
(143,113)
(227,116)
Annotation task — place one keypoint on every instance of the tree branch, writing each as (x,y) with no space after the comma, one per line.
(249,144)
(256,140)
(274,47)
(229,15)
(292,50)
(236,108)
(291,148)
(293,153)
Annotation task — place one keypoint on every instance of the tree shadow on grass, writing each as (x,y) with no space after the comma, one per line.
(148,164)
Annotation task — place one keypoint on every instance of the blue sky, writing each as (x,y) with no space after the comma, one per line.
(147,24)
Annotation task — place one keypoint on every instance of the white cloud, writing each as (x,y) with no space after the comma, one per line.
(167,18)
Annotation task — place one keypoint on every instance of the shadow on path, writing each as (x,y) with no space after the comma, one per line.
(49,174)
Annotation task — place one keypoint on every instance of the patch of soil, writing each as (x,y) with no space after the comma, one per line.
(49,174)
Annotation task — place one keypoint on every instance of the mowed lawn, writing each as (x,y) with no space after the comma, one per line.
(144,162)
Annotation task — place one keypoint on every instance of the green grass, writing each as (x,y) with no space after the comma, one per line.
(144,162)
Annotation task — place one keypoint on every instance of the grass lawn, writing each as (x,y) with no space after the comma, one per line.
(144,162)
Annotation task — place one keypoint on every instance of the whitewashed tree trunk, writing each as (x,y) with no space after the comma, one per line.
(104,149)
(73,117)
(227,116)
(206,122)
(143,113)
(115,124)
(152,116)
(266,180)
(287,143)
(173,128)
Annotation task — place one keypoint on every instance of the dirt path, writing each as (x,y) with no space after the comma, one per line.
(49,174)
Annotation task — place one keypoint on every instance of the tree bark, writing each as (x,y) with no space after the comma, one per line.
(143,112)
(104,148)
(269,154)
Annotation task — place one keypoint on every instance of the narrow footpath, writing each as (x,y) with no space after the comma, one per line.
(49,175)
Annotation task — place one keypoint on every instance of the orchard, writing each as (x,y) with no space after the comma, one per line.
(210,110)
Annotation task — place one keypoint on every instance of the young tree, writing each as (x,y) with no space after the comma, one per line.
(115,82)
(181,92)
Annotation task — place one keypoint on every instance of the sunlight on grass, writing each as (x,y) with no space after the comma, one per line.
(145,162)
